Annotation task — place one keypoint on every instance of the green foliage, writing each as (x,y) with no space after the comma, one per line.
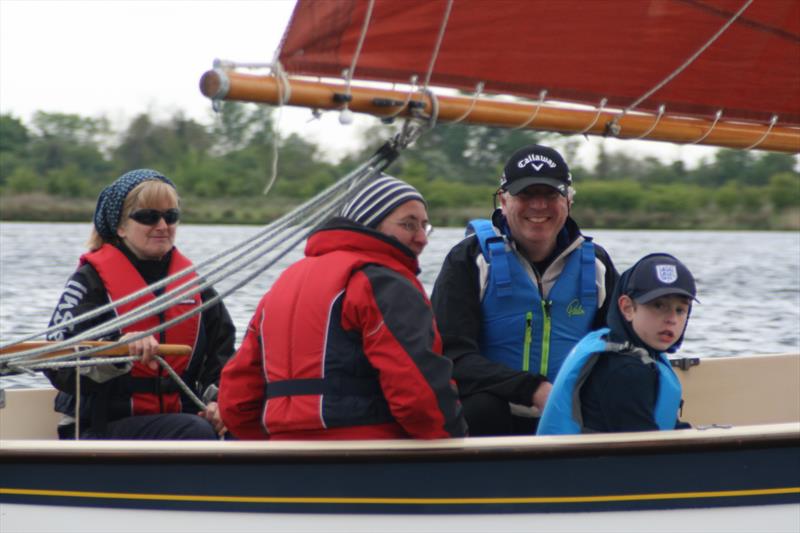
(24,179)
(221,169)
(675,198)
(473,155)
(784,190)
(727,196)
(624,195)
(14,135)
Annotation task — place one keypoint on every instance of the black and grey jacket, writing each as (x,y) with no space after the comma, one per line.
(457,298)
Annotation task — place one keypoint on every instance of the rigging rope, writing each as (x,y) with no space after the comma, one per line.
(772,123)
(284,93)
(247,253)
(412,89)
(439,40)
(354,61)
(542,96)
(717,116)
(682,67)
(475,96)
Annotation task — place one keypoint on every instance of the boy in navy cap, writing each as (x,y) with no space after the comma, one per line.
(619,378)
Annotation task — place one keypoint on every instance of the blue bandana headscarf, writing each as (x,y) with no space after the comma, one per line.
(109,203)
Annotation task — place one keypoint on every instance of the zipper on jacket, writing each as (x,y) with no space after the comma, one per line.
(526,347)
(546,305)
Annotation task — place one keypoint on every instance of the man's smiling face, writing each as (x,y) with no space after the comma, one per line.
(535,216)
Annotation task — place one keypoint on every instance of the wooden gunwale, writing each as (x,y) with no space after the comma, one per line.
(747,437)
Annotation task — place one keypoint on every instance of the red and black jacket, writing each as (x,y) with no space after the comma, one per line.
(343,346)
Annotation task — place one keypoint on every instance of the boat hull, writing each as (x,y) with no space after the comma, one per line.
(752,466)
(738,472)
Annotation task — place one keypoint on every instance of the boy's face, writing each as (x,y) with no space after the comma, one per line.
(660,322)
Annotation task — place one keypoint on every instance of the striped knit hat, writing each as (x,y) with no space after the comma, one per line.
(379,198)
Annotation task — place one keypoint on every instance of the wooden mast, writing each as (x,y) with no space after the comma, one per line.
(219,84)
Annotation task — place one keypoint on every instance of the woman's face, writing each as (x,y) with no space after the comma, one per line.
(145,241)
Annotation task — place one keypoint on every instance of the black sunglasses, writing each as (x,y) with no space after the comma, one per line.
(150,217)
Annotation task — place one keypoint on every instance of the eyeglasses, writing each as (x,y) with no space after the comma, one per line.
(547,194)
(151,217)
(412,226)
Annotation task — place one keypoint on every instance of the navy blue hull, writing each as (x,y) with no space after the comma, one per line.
(471,480)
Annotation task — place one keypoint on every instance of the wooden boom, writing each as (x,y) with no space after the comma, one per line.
(219,84)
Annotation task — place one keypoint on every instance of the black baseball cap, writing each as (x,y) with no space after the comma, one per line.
(658,275)
(535,165)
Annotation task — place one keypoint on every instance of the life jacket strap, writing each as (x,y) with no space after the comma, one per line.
(499,263)
(152,385)
(333,385)
(588,277)
(495,250)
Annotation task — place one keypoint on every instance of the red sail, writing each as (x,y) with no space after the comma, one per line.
(579,51)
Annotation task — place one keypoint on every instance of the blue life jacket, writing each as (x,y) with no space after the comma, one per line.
(562,414)
(521,329)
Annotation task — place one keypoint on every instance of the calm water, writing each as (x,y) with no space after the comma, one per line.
(748,282)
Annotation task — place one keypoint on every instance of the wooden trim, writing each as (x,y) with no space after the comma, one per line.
(766,436)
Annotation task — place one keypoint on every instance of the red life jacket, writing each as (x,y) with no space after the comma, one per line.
(301,313)
(121,278)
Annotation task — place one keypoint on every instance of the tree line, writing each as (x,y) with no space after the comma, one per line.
(60,162)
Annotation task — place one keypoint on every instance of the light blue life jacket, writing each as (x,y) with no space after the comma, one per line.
(562,414)
(521,329)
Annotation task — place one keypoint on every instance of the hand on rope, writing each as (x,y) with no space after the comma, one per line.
(211,413)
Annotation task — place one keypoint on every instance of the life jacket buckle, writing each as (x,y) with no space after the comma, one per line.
(684,363)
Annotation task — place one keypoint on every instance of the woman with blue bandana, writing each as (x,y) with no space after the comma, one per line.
(131,247)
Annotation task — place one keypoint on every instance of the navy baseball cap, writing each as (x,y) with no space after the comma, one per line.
(535,165)
(658,275)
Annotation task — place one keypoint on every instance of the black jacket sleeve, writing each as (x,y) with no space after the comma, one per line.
(220,334)
(611,278)
(83,292)
(456,303)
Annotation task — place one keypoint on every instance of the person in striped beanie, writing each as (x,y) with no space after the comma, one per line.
(344,344)
(373,205)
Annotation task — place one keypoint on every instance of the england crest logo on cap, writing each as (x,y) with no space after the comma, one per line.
(666,273)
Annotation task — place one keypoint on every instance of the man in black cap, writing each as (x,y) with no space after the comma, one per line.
(518,293)
(619,378)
